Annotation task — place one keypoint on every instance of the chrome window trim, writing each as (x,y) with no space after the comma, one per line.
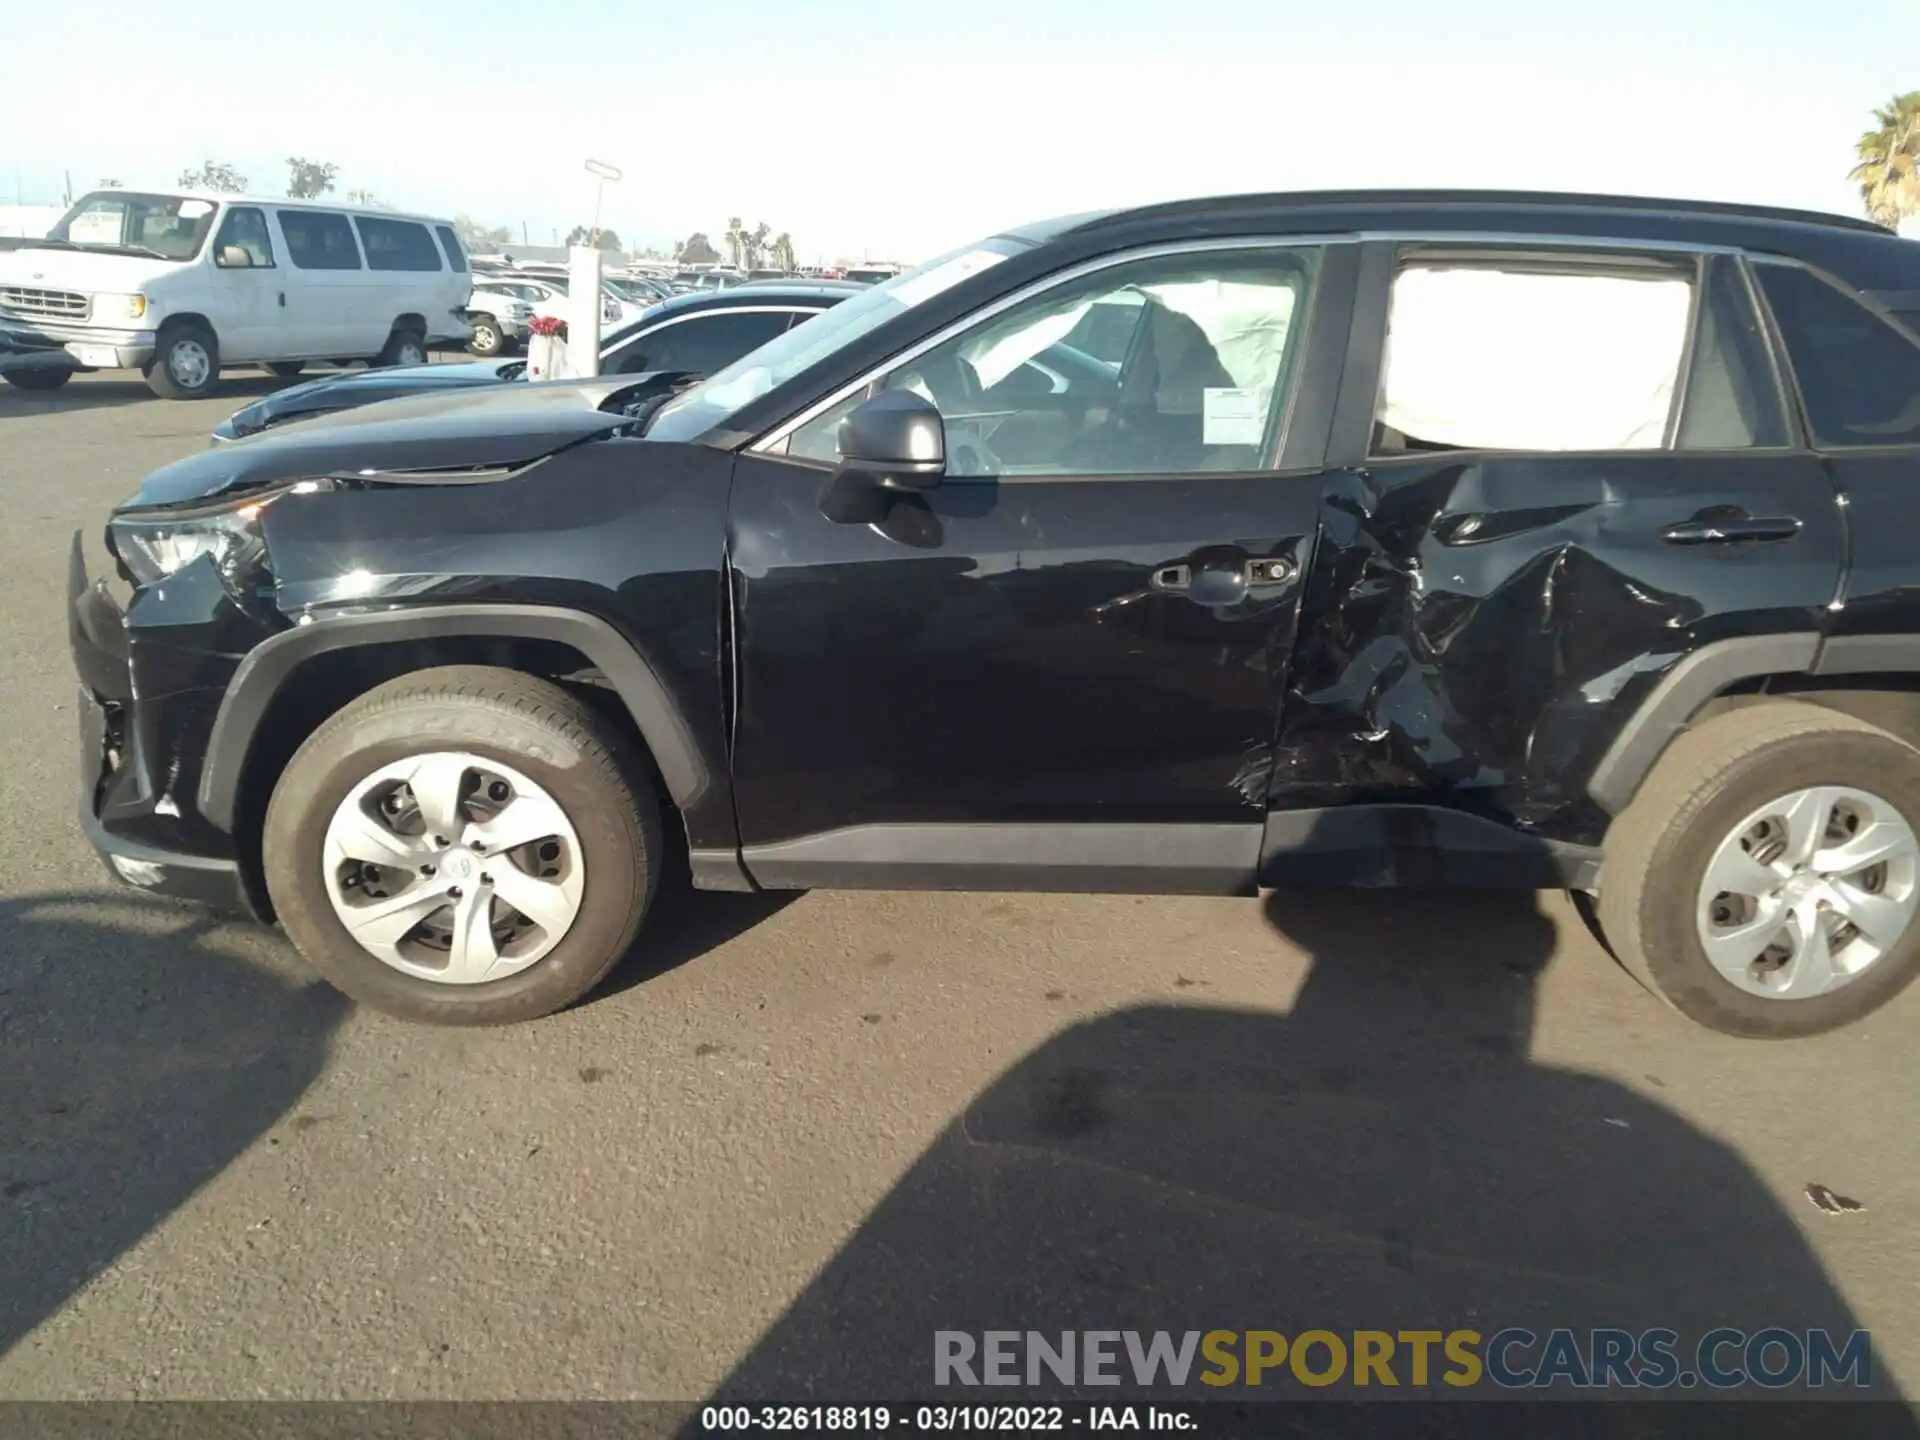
(778,436)
(671,320)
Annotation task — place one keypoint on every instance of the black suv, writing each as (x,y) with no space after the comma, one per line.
(1334,539)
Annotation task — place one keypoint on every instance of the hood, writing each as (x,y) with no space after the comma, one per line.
(90,271)
(351,388)
(440,437)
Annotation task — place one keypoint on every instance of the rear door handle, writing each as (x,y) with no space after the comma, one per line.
(1731,529)
(1223,585)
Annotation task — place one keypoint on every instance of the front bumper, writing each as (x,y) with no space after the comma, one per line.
(139,757)
(95,346)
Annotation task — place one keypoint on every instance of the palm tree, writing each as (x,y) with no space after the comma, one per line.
(1889,168)
(736,241)
(757,245)
(783,251)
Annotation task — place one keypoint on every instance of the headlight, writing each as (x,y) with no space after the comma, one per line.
(119,307)
(151,547)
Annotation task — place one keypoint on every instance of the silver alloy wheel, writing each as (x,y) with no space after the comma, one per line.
(453,868)
(189,364)
(1808,892)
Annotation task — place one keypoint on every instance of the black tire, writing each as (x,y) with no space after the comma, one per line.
(487,338)
(285,369)
(47,379)
(165,371)
(1657,852)
(557,741)
(404,347)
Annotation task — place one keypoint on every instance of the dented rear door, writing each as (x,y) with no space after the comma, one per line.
(1479,623)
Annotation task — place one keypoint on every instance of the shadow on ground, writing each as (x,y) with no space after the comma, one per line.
(135,1066)
(1384,1156)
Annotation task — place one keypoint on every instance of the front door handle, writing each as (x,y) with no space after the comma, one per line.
(283,299)
(1730,527)
(1224,584)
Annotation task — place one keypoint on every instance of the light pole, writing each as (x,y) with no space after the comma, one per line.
(603,172)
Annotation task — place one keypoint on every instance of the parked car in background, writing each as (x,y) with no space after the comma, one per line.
(689,336)
(1556,589)
(501,315)
(178,285)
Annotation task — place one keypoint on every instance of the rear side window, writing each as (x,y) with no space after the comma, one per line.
(1498,355)
(450,242)
(397,244)
(700,346)
(319,240)
(1733,395)
(1859,376)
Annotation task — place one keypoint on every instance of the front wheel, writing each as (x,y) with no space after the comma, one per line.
(186,366)
(463,846)
(1766,878)
(487,339)
(47,379)
(404,347)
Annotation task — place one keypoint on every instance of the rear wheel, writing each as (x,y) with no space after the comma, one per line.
(48,379)
(463,846)
(285,369)
(186,363)
(1766,879)
(404,347)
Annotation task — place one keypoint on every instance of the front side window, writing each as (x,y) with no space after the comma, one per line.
(243,242)
(450,242)
(1197,385)
(319,240)
(712,405)
(165,227)
(1859,376)
(699,346)
(396,244)
(1531,355)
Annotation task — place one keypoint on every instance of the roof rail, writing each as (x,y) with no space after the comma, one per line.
(1518,199)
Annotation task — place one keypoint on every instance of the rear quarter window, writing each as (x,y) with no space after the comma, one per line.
(1859,376)
(397,244)
(319,240)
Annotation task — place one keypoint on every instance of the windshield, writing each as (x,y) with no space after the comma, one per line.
(167,227)
(708,405)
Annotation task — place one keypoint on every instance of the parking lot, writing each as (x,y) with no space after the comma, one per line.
(795,1136)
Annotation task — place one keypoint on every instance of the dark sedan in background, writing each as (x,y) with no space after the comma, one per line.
(692,335)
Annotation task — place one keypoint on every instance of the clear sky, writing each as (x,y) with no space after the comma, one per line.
(898,128)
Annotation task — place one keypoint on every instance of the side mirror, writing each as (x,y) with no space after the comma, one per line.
(896,438)
(235,257)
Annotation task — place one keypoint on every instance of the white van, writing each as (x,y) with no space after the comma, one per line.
(178,285)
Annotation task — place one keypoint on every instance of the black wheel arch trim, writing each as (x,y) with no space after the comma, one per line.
(1671,707)
(266,668)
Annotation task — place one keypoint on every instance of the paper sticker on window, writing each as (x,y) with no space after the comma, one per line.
(194,209)
(1229,417)
(96,227)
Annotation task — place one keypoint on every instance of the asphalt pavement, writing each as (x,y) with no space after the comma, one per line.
(795,1136)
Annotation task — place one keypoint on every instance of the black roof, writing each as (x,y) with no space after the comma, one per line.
(758,292)
(1866,255)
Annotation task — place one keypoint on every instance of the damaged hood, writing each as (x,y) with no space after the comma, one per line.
(351,388)
(493,427)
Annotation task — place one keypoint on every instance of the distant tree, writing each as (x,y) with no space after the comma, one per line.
(696,249)
(756,245)
(367,200)
(1889,170)
(581,235)
(309,179)
(109,183)
(783,251)
(214,175)
(736,238)
(472,231)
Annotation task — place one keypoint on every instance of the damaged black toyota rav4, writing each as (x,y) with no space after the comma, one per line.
(1342,539)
